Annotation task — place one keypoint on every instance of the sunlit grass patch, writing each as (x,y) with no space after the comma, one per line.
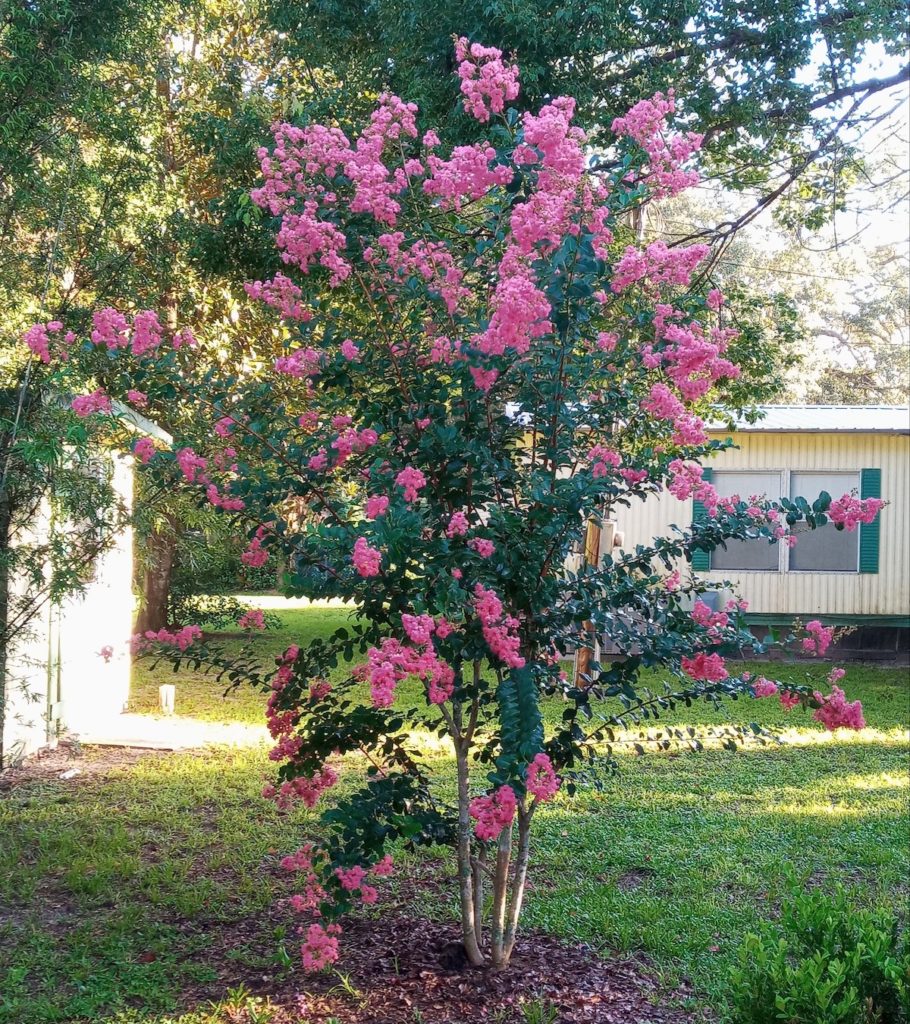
(139,896)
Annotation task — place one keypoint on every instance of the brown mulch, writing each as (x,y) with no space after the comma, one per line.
(88,762)
(402,970)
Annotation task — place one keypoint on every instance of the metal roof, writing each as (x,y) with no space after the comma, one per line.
(803,419)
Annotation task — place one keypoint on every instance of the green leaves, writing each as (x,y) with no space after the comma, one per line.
(520,725)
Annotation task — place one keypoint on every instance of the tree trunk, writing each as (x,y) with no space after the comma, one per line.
(161,554)
(469,928)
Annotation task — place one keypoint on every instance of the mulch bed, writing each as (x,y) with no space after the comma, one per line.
(403,970)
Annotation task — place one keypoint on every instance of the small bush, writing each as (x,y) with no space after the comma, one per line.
(824,962)
(216,613)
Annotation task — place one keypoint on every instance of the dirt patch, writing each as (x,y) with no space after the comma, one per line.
(84,762)
(398,970)
(634,878)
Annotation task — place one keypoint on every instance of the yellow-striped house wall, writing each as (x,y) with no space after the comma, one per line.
(885,593)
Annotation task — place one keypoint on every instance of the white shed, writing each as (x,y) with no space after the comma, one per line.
(59,679)
(860,579)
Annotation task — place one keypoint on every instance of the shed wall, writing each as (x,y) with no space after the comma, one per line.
(886,593)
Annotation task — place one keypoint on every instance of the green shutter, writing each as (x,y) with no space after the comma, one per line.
(701,560)
(870,487)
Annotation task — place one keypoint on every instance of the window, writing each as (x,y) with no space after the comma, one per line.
(825,549)
(757,555)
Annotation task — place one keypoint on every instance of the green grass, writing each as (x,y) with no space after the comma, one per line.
(146,893)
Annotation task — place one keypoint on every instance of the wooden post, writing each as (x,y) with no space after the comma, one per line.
(585,654)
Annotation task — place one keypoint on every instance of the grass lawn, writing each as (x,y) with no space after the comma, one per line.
(147,892)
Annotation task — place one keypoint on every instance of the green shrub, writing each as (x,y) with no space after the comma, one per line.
(824,962)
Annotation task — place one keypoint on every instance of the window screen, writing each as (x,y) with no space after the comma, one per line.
(757,555)
(824,549)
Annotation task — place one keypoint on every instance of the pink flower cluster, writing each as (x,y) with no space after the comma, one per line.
(487,82)
(302,362)
(467,174)
(39,340)
(367,561)
(144,449)
(818,639)
(97,401)
(541,778)
(520,309)
(657,264)
(483,547)
(602,460)
(255,555)
(851,511)
(375,506)
(412,481)
(280,293)
(252,619)
(493,812)
(321,946)
(430,260)
(646,123)
(706,667)
(499,630)
(181,638)
(393,661)
(837,712)
(764,687)
(458,525)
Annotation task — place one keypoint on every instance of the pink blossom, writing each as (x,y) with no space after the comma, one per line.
(662,403)
(255,555)
(110,328)
(764,687)
(39,340)
(467,174)
(707,667)
(657,264)
(499,630)
(850,511)
(715,299)
(367,560)
(542,780)
(320,948)
(252,619)
(376,505)
(147,332)
(789,700)
(487,82)
(819,638)
(350,351)
(484,548)
(137,398)
(143,449)
(673,581)
(646,124)
(493,812)
(412,480)
(483,379)
(419,628)
(106,652)
(383,868)
(280,293)
(837,712)
(97,401)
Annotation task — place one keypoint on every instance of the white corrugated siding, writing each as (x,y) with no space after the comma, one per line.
(884,593)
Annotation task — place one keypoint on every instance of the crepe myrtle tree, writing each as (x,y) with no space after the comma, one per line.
(477,365)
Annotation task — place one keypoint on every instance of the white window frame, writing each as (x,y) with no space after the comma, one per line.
(783,550)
